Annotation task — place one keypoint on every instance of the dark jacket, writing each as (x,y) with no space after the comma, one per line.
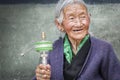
(101,62)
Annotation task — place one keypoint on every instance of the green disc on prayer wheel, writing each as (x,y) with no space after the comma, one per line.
(43,45)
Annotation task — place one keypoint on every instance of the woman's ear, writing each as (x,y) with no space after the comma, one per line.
(59,25)
(89,16)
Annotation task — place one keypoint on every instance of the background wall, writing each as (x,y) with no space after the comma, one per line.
(21,26)
(54,1)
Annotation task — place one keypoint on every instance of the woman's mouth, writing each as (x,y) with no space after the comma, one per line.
(77,30)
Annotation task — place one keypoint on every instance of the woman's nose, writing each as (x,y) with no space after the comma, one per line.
(78,23)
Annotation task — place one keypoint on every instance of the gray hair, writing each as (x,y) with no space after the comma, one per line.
(62,4)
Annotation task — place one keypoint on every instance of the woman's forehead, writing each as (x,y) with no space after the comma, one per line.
(74,7)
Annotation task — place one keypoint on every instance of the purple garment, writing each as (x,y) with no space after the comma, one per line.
(100,64)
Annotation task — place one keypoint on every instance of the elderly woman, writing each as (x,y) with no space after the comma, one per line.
(78,56)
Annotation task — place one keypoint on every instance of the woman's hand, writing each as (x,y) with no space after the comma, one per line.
(43,72)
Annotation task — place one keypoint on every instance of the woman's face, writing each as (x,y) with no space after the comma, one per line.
(76,21)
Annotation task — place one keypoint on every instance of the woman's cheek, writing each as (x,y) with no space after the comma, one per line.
(84,21)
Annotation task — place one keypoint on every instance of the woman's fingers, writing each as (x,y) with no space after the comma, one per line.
(43,72)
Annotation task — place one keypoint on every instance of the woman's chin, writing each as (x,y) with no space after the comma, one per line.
(78,37)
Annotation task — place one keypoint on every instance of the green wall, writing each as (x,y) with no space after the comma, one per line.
(21,26)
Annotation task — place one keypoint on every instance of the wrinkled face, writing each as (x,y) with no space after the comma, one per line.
(76,21)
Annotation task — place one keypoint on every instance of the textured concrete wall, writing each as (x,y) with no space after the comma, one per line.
(21,26)
(54,1)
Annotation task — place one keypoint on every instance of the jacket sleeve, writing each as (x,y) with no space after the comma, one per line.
(34,78)
(110,65)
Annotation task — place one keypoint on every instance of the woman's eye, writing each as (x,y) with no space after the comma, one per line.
(71,18)
(83,17)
